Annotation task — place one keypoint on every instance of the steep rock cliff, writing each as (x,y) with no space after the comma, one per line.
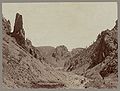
(100,60)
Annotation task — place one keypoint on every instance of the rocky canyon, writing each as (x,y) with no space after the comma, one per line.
(27,66)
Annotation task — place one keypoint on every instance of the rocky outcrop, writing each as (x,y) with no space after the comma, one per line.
(6,26)
(100,59)
(106,50)
(61,52)
(112,52)
(18,32)
(55,56)
(19,35)
(32,50)
(107,46)
(76,51)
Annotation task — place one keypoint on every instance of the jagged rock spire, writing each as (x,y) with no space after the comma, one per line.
(18,23)
(19,32)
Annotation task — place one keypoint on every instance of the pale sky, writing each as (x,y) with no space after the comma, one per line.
(71,24)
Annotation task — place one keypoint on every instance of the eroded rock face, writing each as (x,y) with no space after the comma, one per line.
(107,46)
(112,47)
(55,56)
(61,54)
(6,26)
(76,51)
(32,50)
(116,25)
(99,61)
(19,33)
(102,52)
(61,50)
(29,46)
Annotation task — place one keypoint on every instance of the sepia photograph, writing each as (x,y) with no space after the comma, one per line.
(60,45)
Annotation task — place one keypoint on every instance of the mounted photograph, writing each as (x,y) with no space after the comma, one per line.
(60,45)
